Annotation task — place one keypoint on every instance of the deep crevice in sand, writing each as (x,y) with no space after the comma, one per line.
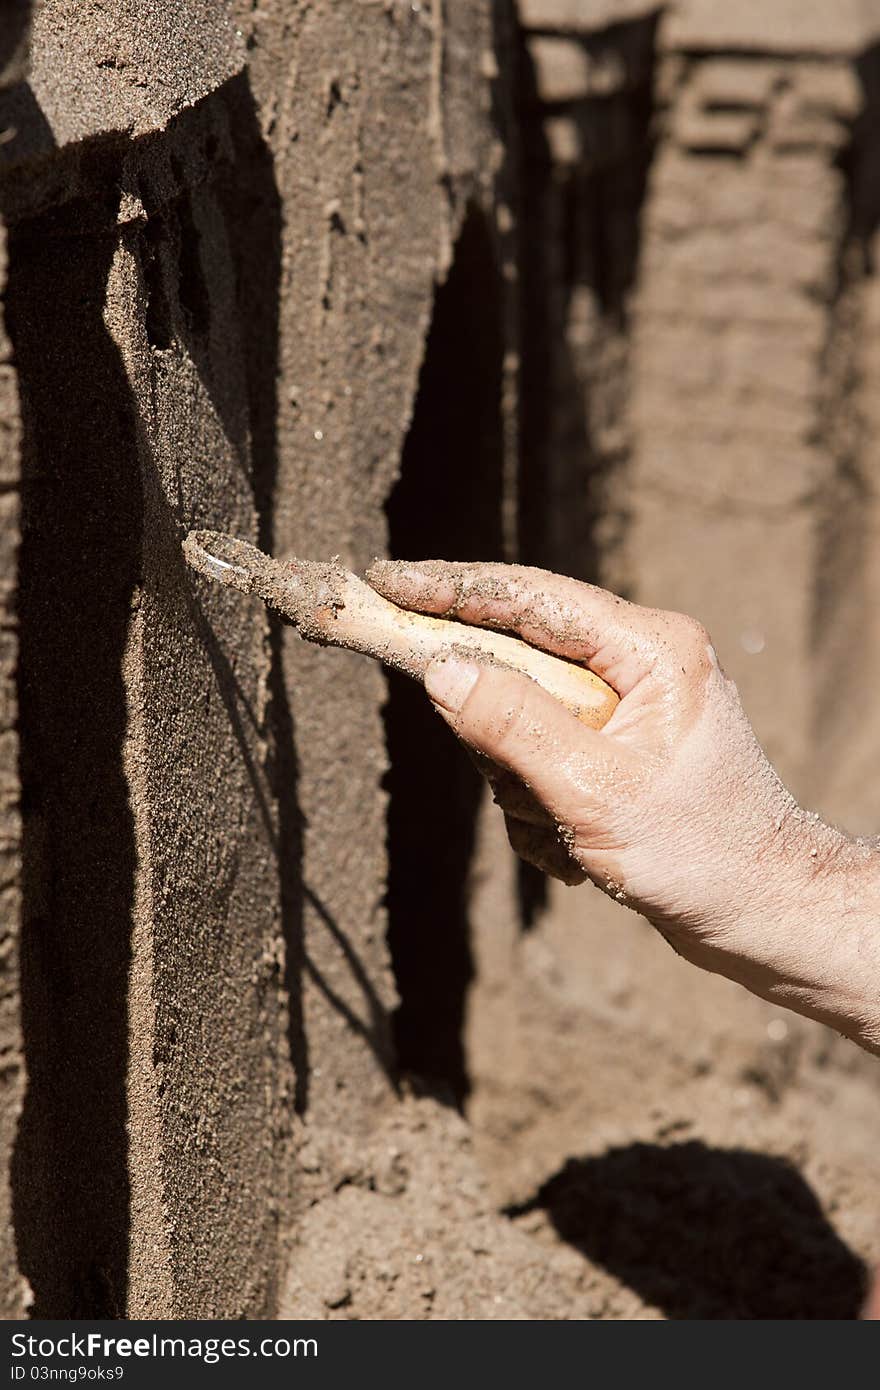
(580,231)
(446,505)
(79,567)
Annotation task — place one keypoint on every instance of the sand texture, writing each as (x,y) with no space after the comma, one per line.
(285,1028)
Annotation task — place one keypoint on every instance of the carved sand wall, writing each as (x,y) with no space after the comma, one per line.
(285,1029)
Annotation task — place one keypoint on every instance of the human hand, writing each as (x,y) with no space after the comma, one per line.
(672,808)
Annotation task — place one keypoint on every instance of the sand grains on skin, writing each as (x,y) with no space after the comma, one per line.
(332,606)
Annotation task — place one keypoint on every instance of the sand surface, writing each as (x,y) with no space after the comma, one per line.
(285,1032)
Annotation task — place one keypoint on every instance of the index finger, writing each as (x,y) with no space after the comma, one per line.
(564,616)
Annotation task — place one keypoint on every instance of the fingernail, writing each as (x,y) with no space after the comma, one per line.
(449,681)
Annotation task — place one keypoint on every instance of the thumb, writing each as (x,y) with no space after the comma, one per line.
(512,720)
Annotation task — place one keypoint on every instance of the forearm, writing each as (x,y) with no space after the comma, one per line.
(806,931)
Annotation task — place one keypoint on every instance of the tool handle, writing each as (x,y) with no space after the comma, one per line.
(332,606)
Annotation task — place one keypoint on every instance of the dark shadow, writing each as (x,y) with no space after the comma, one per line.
(579,237)
(705,1233)
(84,500)
(580,231)
(26,133)
(447,504)
(79,565)
(15,18)
(862,161)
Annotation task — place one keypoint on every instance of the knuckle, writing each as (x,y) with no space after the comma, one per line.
(692,642)
(509,722)
(692,631)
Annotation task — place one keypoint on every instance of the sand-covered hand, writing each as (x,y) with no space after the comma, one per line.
(672,807)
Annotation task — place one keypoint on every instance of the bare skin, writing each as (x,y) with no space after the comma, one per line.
(672,807)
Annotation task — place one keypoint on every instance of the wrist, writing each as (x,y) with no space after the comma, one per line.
(808,936)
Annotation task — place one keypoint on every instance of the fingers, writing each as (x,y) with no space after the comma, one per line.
(531,830)
(560,615)
(544,849)
(512,720)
